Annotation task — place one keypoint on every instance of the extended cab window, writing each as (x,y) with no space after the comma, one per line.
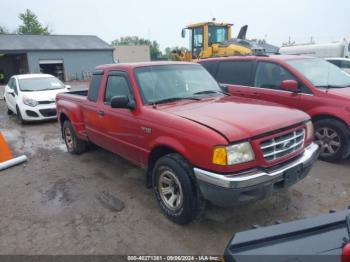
(116,86)
(270,75)
(235,72)
(95,86)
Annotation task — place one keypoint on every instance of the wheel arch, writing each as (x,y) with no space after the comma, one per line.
(327,116)
(157,152)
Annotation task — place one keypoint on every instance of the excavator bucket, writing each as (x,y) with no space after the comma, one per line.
(243,32)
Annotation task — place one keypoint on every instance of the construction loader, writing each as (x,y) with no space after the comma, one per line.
(212,39)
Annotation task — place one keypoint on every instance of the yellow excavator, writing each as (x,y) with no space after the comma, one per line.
(212,39)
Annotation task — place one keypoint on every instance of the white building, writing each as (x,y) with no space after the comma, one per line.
(131,53)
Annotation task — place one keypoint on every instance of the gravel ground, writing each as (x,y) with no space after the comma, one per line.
(97,203)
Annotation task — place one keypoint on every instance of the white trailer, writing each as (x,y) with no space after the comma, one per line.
(336,49)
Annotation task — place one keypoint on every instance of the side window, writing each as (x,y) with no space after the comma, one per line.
(95,86)
(15,86)
(10,83)
(209,66)
(235,72)
(335,62)
(270,75)
(345,64)
(116,86)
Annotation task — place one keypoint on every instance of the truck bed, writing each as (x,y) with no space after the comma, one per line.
(313,239)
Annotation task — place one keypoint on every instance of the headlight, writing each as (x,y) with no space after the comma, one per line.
(233,154)
(309,131)
(29,102)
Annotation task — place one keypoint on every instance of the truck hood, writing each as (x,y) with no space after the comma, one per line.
(237,118)
(343,92)
(46,95)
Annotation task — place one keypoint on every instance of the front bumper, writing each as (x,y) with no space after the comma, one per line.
(40,112)
(227,190)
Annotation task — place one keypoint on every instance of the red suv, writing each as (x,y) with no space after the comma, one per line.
(310,84)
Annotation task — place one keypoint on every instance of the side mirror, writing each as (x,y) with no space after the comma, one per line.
(68,86)
(183,33)
(122,102)
(10,91)
(290,85)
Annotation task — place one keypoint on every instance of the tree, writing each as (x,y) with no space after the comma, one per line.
(31,24)
(3,30)
(135,40)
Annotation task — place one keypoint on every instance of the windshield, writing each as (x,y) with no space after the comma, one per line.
(166,82)
(217,34)
(40,84)
(321,73)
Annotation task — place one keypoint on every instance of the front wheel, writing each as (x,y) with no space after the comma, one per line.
(9,112)
(19,116)
(73,143)
(333,138)
(175,189)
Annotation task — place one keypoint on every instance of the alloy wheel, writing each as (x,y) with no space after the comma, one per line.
(68,138)
(170,190)
(329,141)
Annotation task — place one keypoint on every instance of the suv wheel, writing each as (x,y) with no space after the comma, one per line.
(175,189)
(73,143)
(334,139)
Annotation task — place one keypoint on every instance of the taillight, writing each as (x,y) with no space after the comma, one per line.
(345,255)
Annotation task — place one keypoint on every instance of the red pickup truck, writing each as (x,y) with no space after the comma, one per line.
(312,85)
(195,142)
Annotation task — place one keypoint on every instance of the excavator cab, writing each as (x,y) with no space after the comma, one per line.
(204,35)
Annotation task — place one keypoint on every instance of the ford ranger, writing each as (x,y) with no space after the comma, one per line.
(195,142)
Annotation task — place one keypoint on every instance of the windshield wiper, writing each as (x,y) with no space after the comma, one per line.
(211,92)
(172,99)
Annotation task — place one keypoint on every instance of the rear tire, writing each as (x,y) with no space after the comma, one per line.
(334,139)
(73,143)
(175,189)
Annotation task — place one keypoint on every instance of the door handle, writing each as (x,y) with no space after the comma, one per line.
(100,113)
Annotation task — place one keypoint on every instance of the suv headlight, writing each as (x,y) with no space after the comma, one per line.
(309,130)
(29,102)
(233,154)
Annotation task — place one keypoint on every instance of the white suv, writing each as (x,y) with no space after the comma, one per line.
(32,96)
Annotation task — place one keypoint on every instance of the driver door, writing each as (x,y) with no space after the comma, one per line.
(268,78)
(197,41)
(120,125)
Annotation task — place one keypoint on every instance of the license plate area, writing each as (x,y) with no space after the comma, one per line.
(292,175)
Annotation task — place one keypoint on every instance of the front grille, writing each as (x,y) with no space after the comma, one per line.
(46,102)
(48,112)
(282,145)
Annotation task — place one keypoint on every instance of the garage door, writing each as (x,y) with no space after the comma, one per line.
(53,67)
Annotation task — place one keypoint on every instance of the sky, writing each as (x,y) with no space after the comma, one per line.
(273,20)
